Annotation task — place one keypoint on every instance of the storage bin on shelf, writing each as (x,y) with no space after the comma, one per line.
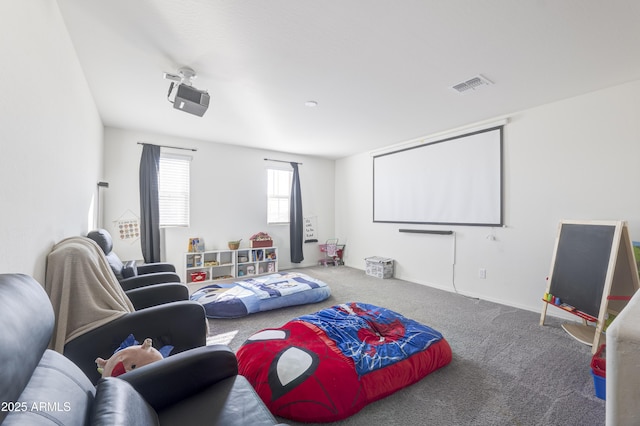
(261,239)
(599,371)
(379,267)
(261,243)
(198,276)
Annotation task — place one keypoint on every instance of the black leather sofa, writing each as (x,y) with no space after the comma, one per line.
(41,387)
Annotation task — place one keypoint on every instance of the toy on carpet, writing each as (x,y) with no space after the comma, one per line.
(131,355)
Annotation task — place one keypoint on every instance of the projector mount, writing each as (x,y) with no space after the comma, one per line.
(184,76)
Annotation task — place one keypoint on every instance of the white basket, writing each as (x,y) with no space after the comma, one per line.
(379,267)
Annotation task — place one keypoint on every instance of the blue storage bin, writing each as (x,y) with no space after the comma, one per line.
(600,384)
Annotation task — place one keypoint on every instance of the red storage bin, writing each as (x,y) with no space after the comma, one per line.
(198,276)
(261,243)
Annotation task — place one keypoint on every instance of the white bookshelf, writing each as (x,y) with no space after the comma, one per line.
(215,265)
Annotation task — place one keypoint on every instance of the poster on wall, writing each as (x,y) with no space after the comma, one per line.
(128,226)
(310,229)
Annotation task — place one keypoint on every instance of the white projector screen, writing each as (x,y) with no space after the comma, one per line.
(455,181)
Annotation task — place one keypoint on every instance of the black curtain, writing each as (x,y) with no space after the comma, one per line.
(149,206)
(296,221)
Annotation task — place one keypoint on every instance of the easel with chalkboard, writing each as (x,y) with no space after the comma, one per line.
(593,274)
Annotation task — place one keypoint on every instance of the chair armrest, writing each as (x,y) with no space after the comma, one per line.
(117,403)
(144,297)
(180,324)
(150,268)
(179,376)
(129,269)
(149,279)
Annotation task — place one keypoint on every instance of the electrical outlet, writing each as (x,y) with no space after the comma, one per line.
(482,273)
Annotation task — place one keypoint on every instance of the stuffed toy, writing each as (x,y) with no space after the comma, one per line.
(128,356)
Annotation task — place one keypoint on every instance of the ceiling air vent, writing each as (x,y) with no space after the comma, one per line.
(472,84)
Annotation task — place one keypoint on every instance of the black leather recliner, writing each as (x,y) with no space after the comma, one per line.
(41,387)
(77,280)
(129,273)
(179,324)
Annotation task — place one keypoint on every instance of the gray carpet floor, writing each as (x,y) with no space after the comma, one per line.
(506,368)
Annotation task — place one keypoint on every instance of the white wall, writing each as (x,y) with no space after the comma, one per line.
(50,137)
(574,159)
(228,195)
(571,159)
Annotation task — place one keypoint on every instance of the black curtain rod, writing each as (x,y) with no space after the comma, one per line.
(167,146)
(282,161)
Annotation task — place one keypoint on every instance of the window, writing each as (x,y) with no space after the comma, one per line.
(173,189)
(278,193)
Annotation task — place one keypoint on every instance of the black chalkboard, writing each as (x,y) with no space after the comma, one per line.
(581,263)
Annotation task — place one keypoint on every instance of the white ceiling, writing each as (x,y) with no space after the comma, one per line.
(380,70)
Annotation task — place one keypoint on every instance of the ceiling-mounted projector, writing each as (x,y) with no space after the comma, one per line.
(187,98)
(191,100)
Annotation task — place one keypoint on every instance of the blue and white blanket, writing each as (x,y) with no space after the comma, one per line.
(260,293)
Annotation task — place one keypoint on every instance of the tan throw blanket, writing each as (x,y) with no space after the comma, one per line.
(83,290)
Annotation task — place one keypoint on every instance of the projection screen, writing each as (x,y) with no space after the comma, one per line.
(454,181)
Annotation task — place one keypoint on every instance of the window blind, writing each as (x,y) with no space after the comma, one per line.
(173,189)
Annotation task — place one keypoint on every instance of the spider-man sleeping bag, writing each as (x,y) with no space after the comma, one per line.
(327,366)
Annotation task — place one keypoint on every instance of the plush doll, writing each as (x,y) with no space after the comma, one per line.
(128,358)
